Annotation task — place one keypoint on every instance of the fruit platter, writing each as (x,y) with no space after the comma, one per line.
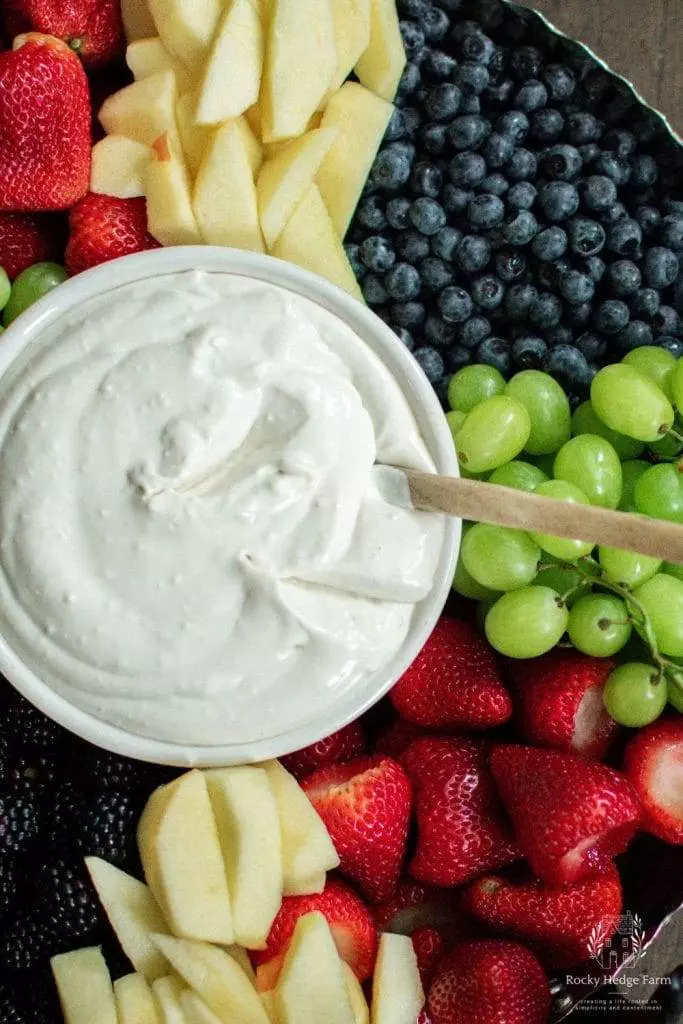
(277,747)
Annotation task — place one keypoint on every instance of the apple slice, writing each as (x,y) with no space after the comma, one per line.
(137,20)
(311,986)
(361,119)
(224,193)
(301,62)
(133,913)
(253,116)
(397,993)
(134,1001)
(167,994)
(216,978)
(118,167)
(268,1000)
(352,36)
(359,1004)
(187,27)
(381,66)
(283,180)
(271,149)
(311,241)
(240,955)
(144,110)
(194,138)
(84,986)
(181,858)
(307,850)
(232,76)
(147,57)
(170,218)
(249,829)
(195,1009)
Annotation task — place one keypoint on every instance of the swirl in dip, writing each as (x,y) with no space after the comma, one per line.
(192,545)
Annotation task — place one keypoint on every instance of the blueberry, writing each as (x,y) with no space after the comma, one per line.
(405,336)
(496,184)
(411,246)
(434,138)
(558,200)
(427,216)
(525,62)
(586,237)
(636,334)
(671,232)
(425,180)
(471,78)
(436,274)
(457,356)
(473,331)
(468,132)
(521,196)
(625,238)
(374,291)
(397,213)
(583,127)
(456,199)
(439,65)
(645,303)
(621,142)
(402,282)
(614,167)
(370,213)
(649,219)
(560,335)
(467,169)
(528,352)
(546,310)
(514,123)
(412,120)
(532,96)
(499,93)
(431,363)
(470,105)
(520,227)
(353,256)
(413,37)
(548,274)
(590,151)
(562,162)
(598,192)
(413,8)
(486,211)
(455,304)
(478,47)
(550,244)
(674,206)
(407,314)
(673,345)
(410,81)
(435,23)
(519,300)
(560,81)
(591,345)
(498,150)
(488,291)
(495,352)
(396,129)
(522,165)
(377,254)
(579,314)
(576,287)
(391,168)
(666,321)
(643,171)
(611,316)
(510,265)
(547,125)
(660,267)
(473,254)
(568,365)
(438,332)
(442,102)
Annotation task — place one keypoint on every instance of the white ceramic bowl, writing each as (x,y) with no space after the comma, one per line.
(27,329)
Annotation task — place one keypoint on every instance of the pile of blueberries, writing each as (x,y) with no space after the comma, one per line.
(524,210)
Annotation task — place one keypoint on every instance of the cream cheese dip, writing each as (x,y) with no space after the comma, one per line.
(192,544)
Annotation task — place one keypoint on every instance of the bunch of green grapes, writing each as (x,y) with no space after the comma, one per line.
(622,449)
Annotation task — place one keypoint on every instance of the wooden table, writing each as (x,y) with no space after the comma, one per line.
(641,39)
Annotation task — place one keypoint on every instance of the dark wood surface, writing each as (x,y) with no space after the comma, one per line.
(641,39)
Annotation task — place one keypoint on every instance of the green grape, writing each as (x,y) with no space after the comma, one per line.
(5,288)
(464,585)
(493,434)
(655,363)
(560,547)
(500,558)
(455,420)
(634,695)
(668,448)
(548,409)
(520,475)
(30,286)
(674,569)
(630,403)
(676,381)
(626,568)
(585,421)
(526,623)
(565,579)
(662,599)
(591,463)
(473,385)
(659,493)
(599,625)
(631,473)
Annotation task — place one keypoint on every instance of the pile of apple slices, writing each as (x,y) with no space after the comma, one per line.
(241,128)
(219,850)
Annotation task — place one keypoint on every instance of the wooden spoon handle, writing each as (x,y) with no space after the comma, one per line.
(505,506)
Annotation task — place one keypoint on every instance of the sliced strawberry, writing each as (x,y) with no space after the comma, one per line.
(570,815)
(342,745)
(429,947)
(654,764)
(103,228)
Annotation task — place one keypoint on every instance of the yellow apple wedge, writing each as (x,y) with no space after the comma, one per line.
(181,858)
(284,179)
(360,118)
(147,57)
(167,993)
(194,138)
(397,993)
(301,61)
(137,20)
(133,913)
(268,1000)
(240,956)
(170,218)
(352,36)
(359,1004)
(144,110)
(225,194)
(216,978)
(84,986)
(117,167)
(134,1001)
(311,241)
(195,1009)
(254,119)
(187,28)
(249,830)
(271,149)
(311,987)
(381,66)
(232,75)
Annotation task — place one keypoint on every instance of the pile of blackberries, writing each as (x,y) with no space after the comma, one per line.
(524,210)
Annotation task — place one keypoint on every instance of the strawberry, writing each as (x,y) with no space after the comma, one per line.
(395,739)
(27,238)
(44,126)
(348,917)
(342,745)
(103,228)
(558,702)
(570,815)
(461,823)
(556,923)
(93,29)
(429,947)
(415,906)
(654,764)
(365,805)
(454,682)
(489,981)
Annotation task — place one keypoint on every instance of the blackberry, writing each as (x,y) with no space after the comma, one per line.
(106,827)
(26,726)
(28,943)
(19,819)
(34,1003)
(67,901)
(66,809)
(9,886)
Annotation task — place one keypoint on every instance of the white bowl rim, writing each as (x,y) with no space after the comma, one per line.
(108,277)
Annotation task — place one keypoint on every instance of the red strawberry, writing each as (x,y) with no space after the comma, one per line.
(424,1018)
(342,745)
(570,815)
(365,805)
(429,947)
(350,920)
(414,906)
(27,238)
(556,923)
(654,764)
(454,682)
(461,823)
(489,981)
(395,740)
(104,228)
(44,126)
(91,28)
(558,702)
